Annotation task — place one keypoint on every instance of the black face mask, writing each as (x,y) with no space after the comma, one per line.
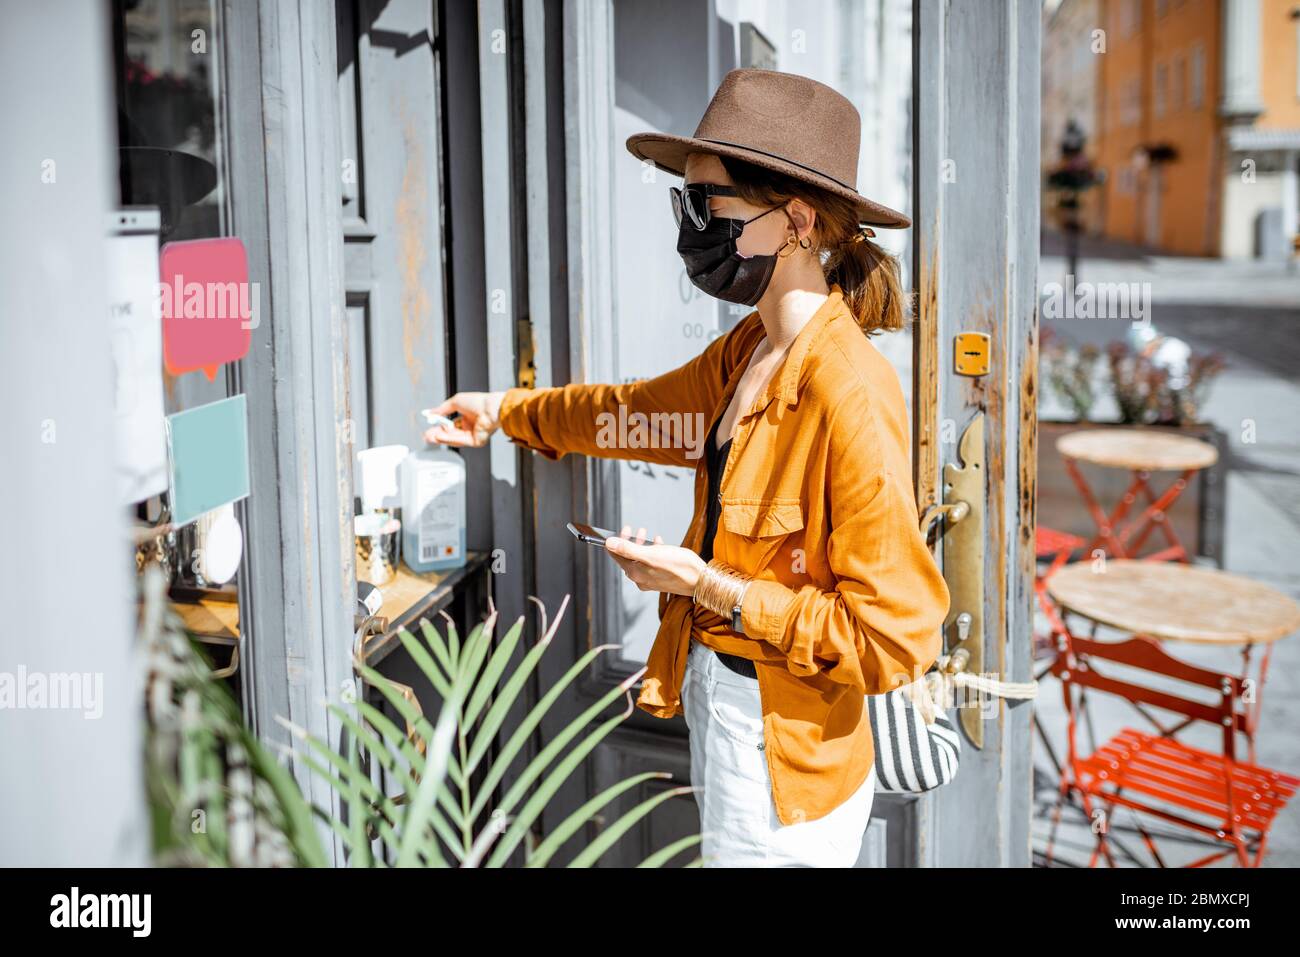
(716,267)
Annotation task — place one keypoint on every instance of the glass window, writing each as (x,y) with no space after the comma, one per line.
(169,97)
(171,149)
(171,146)
(1197,95)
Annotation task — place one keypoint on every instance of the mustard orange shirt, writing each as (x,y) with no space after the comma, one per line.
(817,508)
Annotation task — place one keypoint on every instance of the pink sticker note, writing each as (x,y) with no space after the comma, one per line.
(207,305)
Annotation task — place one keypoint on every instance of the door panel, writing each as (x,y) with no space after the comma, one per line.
(392,208)
(969,102)
(976,259)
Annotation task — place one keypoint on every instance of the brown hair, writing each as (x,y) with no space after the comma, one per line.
(867,274)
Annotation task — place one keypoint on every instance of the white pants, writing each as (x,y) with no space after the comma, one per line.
(738,820)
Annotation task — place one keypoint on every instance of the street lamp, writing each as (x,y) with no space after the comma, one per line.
(1068,179)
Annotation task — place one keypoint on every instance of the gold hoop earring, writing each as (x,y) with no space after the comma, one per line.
(805,243)
(788,247)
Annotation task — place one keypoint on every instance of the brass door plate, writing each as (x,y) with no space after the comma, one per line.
(971,353)
(963,567)
(526,372)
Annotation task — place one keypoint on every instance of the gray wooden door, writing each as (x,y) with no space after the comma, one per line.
(976,147)
(389,116)
(973,161)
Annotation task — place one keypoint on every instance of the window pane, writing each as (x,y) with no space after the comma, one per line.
(170,138)
(168,121)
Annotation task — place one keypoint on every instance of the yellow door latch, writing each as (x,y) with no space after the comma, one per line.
(971,353)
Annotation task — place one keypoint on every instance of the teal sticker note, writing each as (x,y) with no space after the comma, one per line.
(207,455)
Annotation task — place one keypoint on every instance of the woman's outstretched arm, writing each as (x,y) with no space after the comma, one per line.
(662,420)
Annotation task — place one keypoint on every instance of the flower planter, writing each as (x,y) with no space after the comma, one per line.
(1197,516)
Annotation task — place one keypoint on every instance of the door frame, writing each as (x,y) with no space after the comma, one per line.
(976,88)
(298,583)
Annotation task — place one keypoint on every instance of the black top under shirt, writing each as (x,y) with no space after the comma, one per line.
(717,459)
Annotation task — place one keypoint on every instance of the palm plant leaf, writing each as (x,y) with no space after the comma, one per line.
(608,836)
(584,815)
(435,770)
(379,751)
(662,856)
(442,813)
(520,736)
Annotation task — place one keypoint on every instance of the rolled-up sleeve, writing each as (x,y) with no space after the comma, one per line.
(881,625)
(651,420)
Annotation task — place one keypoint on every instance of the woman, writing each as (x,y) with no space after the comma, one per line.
(803,583)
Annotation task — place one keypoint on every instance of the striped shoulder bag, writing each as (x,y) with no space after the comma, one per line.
(913,753)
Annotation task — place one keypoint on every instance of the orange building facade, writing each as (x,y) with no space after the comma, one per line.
(1198,125)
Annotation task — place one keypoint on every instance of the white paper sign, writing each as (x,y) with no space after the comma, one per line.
(136,333)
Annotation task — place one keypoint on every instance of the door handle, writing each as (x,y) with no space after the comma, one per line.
(951,513)
(963,563)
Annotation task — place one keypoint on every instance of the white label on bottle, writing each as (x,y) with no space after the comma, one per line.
(440,494)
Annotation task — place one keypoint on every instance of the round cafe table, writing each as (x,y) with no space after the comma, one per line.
(1207,796)
(1179,602)
(1141,451)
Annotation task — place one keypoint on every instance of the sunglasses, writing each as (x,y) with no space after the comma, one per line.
(692,201)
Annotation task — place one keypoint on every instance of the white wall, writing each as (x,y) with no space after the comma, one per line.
(1241,205)
(70,784)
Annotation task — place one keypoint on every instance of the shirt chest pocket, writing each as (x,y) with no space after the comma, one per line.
(757,529)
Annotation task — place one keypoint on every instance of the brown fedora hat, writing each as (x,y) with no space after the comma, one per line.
(780,121)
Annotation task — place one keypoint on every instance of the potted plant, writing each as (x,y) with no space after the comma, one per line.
(1155,382)
(1164,382)
(1069,372)
(218,796)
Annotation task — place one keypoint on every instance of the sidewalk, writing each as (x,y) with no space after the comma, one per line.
(1250,313)
(1176,279)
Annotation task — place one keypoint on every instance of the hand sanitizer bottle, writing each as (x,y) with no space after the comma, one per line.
(433,509)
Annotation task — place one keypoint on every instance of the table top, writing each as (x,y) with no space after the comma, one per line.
(1150,450)
(210,618)
(1176,601)
(410,596)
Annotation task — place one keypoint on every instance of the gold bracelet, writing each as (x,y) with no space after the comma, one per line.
(719,588)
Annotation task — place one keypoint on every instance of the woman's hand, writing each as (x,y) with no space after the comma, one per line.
(479,413)
(655,567)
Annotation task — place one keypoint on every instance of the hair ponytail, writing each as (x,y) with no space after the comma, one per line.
(868,276)
(865,273)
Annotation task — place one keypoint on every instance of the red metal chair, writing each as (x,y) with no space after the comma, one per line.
(1224,803)
(1054,547)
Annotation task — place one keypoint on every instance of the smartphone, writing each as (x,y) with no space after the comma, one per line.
(590,533)
(594,535)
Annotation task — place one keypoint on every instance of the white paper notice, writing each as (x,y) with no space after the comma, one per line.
(137,366)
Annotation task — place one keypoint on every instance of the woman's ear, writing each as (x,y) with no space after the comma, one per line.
(803,216)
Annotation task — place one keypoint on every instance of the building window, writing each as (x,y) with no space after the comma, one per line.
(1130,18)
(1178,90)
(1162,89)
(1126,181)
(1131,108)
(1197,92)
